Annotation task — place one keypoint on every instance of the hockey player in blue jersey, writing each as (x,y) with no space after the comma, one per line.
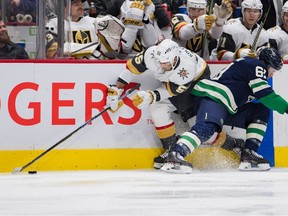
(227,99)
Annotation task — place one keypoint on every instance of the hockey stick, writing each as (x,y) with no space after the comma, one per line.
(19,169)
(85,47)
(206,32)
(253,47)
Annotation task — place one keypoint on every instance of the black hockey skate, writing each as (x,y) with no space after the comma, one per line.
(159,161)
(233,144)
(252,161)
(175,163)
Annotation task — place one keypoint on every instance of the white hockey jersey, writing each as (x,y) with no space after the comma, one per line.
(188,68)
(83,31)
(78,36)
(236,35)
(278,39)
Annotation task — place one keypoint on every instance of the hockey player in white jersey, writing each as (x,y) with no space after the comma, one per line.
(239,34)
(140,33)
(189,31)
(178,69)
(278,35)
(84,36)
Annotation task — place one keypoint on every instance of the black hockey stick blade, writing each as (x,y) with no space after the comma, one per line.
(20,169)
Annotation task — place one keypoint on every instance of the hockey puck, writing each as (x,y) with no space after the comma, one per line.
(32,172)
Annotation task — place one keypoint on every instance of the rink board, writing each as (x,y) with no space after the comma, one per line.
(43,101)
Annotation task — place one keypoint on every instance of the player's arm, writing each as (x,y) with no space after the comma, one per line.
(167,90)
(185,31)
(222,13)
(264,92)
(181,29)
(275,102)
(134,67)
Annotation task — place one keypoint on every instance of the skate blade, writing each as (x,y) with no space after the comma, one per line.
(244,166)
(179,169)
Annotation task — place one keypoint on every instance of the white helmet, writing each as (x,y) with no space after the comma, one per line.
(252,4)
(166,51)
(196,4)
(284,9)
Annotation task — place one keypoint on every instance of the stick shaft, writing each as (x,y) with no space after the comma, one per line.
(253,47)
(75,131)
(85,47)
(204,47)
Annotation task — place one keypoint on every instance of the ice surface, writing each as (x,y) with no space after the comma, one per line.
(145,192)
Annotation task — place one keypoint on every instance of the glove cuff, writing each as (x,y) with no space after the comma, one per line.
(113,90)
(237,53)
(152,96)
(196,23)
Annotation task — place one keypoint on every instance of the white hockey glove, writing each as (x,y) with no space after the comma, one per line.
(143,98)
(112,99)
(149,9)
(243,52)
(204,22)
(134,16)
(222,12)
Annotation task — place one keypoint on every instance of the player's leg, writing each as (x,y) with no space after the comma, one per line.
(254,118)
(165,128)
(210,117)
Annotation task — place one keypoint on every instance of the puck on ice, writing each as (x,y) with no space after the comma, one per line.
(32,172)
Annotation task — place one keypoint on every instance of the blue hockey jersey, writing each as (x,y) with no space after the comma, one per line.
(242,81)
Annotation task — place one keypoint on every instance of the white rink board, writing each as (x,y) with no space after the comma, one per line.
(280,81)
(25,83)
(43,134)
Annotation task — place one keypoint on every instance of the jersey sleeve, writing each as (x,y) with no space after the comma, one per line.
(177,22)
(135,66)
(170,89)
(275,102)
(181,28)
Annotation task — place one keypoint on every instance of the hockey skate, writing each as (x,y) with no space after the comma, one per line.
(233,144)
(159,161)
(251,161)
(175,163)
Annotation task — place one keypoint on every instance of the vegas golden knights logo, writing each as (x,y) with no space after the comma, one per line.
(195,43)
(81,37)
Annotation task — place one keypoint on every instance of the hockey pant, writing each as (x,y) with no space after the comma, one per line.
(211,117)
(161,113)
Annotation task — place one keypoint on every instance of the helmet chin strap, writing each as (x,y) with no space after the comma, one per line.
(176,62)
